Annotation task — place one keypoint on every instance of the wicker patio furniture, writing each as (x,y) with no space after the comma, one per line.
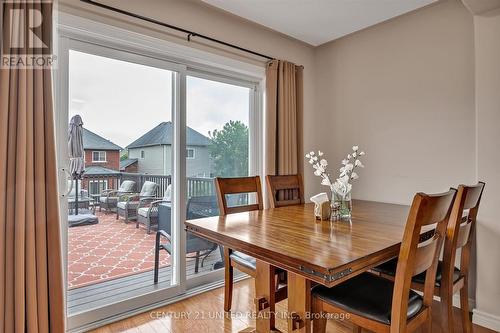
(129,203)
(147,214)
(109,198)
(196,247)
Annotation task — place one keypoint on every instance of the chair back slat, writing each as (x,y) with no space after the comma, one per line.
(463,234)
(424,254)
(459,232)
(240,185)
(429,213)
(285,190)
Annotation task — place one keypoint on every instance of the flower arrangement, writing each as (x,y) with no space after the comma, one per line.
(342,186)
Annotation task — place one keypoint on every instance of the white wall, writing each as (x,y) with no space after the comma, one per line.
(487,38)
(403,91)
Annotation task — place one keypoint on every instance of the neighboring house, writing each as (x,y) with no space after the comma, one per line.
(129,165)
(102,158)
(153,151)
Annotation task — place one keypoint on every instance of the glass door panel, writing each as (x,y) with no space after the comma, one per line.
(126,103)
(217,144)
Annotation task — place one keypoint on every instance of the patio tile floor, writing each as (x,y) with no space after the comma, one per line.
(109,250)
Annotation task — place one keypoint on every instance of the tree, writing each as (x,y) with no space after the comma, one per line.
(229,150)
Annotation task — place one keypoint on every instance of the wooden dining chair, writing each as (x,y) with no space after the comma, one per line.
(237,259)
(285,190)
(382,305)
(450,279)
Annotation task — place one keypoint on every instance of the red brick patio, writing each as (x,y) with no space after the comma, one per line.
(109,250)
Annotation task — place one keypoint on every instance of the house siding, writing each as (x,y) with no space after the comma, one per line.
(158,160)
(112,159)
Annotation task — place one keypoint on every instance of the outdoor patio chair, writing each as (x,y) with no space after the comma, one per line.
(196,247)
(148,214)
(129,203)
(108,199)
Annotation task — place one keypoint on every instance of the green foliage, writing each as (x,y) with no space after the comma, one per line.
(124,155)
(229,150)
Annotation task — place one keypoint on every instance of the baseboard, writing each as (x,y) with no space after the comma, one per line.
(485,319)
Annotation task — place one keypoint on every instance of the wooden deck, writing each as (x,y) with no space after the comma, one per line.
(111,291)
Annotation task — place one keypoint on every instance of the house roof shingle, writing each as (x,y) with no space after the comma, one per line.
(99,170)
(94,141)
(162,135)
(127,162)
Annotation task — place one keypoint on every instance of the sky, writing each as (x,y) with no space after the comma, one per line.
(121,101)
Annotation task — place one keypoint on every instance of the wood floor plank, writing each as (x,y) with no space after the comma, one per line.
(204,314)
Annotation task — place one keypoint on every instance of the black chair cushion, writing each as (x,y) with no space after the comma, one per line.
(367,295)
(244,260)
(389,268)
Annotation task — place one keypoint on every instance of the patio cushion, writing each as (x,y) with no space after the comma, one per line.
(143,211)
(131,204)
(148,189)
(127,186)
(167,196)
(108,199)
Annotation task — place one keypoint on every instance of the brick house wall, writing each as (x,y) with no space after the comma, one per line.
(112,162)
(112,159)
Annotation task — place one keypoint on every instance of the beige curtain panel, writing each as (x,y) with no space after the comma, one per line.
(284,112)
(31,278)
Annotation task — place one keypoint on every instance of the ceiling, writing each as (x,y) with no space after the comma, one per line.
(318,21)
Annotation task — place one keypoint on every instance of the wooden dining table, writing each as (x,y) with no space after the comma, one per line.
(311,251)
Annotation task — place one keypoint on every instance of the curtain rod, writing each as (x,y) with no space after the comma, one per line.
(189,33)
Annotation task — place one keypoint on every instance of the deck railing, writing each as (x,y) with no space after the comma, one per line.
(196,186)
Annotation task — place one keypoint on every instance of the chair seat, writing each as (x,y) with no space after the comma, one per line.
(108,199)
(367,295)
(131,204)
(389,268)
(244,259)
(144,211)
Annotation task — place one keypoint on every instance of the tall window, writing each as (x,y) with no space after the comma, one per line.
(190,153)
(98,156)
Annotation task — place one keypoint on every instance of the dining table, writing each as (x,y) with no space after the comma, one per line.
(310,251)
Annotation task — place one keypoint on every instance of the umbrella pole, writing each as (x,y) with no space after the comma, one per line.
(76,196)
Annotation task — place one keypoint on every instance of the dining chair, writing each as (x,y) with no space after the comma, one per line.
(285,190)
(382,305)
(241,187)
(450,279)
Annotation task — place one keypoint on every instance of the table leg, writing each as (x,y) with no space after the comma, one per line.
(299,303)
(264,292)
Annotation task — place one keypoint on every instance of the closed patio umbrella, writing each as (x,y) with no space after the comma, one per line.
(76,153)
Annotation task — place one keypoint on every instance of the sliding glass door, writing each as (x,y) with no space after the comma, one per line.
(217,145)
(155,135)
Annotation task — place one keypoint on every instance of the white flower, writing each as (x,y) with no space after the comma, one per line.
(308,156)
(349,166)
(354,154)
(355,148)
(359,164)
(326,181)
(348,156)
(318,172)
(311,153)
(320,153)
(311,161)
(315,158)
(344,162)
(354,175)
(361,153)
(323,162)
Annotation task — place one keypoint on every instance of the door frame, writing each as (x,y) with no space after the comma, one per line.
(107,40)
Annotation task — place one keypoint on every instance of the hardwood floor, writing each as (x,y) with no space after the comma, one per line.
(204,313)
